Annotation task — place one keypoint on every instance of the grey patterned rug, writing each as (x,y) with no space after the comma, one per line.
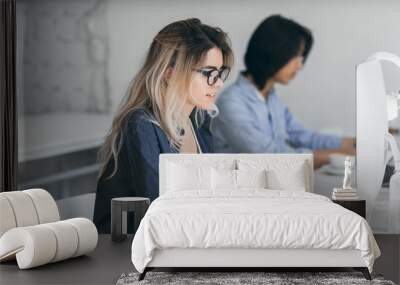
(229,278)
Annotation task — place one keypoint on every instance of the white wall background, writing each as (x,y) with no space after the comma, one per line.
(323,94)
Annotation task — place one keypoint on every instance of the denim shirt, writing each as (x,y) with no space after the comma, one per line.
(137,172)
(249,123)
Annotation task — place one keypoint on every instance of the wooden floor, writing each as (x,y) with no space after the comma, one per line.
(110,260)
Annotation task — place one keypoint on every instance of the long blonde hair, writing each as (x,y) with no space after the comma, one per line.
(181,45)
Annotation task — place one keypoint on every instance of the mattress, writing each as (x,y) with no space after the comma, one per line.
(251,219)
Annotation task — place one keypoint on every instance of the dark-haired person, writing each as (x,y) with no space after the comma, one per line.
(165,111)
(252,118)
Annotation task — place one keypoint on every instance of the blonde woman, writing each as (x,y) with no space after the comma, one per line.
(165,111)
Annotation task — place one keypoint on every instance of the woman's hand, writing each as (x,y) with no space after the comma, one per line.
(348,146)
(321,156)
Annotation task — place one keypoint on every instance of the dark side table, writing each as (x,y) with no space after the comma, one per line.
(357,206)
(119,208)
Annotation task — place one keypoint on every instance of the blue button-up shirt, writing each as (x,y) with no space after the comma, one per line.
(249,123)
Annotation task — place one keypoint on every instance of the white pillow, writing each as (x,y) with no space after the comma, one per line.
(293,179)
(251,178)
(223,179)
(181,177)
(230,180)
(282,174)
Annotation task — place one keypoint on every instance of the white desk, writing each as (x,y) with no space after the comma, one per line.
(380,224)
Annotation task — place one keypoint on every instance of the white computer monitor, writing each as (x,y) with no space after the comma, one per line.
(372,139)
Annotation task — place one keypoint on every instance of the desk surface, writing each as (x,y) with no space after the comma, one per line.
(102,266)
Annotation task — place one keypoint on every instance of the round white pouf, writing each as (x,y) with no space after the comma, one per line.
(33,246)
(46,207)
(6,215)
(87,233)
(23,208)
(67,240)
(40,244)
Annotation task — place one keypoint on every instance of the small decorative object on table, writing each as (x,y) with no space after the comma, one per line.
(119,208)
(347,196)
(346,192)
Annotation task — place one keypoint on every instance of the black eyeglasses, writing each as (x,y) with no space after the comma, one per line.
(213,74)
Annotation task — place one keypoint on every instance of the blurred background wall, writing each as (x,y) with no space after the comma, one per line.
(76,59)
(323,94)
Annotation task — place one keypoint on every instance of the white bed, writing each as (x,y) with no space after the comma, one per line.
(200,223)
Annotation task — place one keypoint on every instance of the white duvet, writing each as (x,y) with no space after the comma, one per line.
(252,218)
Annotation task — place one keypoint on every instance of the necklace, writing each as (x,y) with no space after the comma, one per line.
(186,126)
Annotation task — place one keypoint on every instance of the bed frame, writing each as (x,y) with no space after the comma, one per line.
(248,259)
